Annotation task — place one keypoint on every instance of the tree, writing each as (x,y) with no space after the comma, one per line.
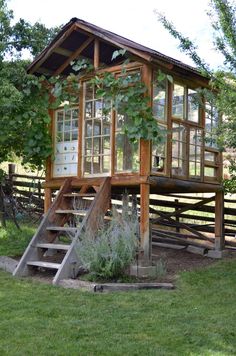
(24,100)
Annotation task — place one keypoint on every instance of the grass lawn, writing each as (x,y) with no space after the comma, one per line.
(198,318)
(13,241)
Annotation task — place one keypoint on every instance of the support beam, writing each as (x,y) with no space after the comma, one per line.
(96,53)
(219,221)
(47,199)
(63,51)
(144,223)
(73,56)
(145,167)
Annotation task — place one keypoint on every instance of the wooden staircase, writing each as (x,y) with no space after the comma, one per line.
(53,246)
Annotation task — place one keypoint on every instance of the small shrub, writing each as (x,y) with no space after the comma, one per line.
(114,248)
(161,268)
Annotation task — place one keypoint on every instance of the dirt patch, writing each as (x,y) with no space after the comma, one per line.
(174,261)
(181,260)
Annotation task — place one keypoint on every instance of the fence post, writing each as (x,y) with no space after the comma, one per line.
(177,217)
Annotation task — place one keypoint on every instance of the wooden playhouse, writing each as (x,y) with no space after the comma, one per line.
(94,161)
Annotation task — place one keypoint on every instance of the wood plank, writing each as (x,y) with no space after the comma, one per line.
(74,212)
(53,246)
(193,206)
(183,226)
(183,240)
(74,56)
(62,228)
(63,51)
(50,265)
(168,245)
(219,221)
(72,195)
(118,181)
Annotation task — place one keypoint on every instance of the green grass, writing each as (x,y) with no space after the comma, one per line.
(13,241)
(198,318)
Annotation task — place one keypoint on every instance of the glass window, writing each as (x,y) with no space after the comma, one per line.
(126,152)
(159,158)
(179,154)
(193,106)
(66,142)
(178,102)
(195,152)
(210,172)
(160,100)
(211,124)
(97,141)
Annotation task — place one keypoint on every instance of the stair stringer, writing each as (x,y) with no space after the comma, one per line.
(71,264)
(31,253)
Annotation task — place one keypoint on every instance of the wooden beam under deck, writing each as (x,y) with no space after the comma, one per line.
(118,181)
(158,184)
(171,185)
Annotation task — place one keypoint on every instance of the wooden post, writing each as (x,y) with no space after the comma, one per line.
(145,168)
(11,169)
(144,223)
(177,217)
(219,221)
(96,53)
(47,199)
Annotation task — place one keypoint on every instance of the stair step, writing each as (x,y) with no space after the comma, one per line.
(69,195)
(44,264)
(74,212)
(62,228)
(54,246)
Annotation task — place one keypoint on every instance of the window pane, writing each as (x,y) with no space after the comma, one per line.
(89,109)
(195,149)
(210,156)
(87,165)
(178,150)
(178,101)
(96,165)
(211,124)
(127,154)
(98,108)
(97,128)
(88,128)
(106,161)
(193,106)
(159,158)
(209,172)
(159,100)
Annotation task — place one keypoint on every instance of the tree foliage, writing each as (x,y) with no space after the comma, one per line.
(23,113)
